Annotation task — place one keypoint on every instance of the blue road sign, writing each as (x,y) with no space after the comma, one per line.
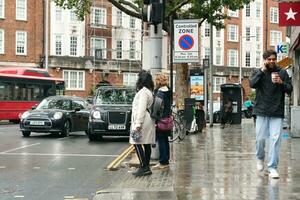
(186,42)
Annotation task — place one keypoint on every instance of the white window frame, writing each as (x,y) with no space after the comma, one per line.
(58,13)
(206,53)
(119,18)
(132,22)
(2,46)
(206,29)
(217,82)
(102,17)
(233,13)
(23,16)
(258,9)
(218,33)
(2,9)
(248,59)
(18,45)
(275,37)
(73,17)
(129,79)
(79,84)
(132,49)
(93,48)
(258,34)
(119,49)
(232,60)
(248,32)
(58,45)
(218,56)
(73,48)
(232,33)
(248,10)
(274,16)
(257,59)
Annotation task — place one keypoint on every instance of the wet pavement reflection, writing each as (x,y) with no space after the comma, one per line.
(217,164)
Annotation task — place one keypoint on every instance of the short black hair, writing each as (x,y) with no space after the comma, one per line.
(269,53)
(144,80)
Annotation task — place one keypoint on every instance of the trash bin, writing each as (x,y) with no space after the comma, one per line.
(200,119)
(234,92)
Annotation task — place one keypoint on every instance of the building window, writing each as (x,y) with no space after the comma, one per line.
(119,18)
(132,22)
(276,37)
(218,81)
(218,56)
(119,49)
(258,34)
(73,16)
(58,44)
(247,59)
(248,10)
(257,61)
(206,53)
(232,57)
(96,44)
(1,41)
(232,33)
(274,15)
(132,49)
(2,9)
(74,80)
(58,14)
(21,9)
(258,11)
(130,79)
(98,17)
(73,45)
(247,34)
(232,13)
(207,29)
(21,43)
(218,33)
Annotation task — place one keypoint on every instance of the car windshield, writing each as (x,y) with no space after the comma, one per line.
(54,104)
(114,96)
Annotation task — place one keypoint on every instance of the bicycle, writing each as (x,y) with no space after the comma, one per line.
(179,129)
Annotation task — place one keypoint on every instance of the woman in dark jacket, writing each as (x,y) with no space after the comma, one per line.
(162,90)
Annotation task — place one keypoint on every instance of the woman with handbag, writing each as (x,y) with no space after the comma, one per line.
(142,130)
(164,126)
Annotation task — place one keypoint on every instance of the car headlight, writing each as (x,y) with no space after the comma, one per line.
(25,114)
(96,114)
(58,115)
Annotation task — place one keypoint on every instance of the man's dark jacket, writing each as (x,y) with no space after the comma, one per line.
(269,101)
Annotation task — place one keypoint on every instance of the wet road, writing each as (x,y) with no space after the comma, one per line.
(44,167)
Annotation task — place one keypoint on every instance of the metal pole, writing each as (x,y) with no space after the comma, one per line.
(46,33)
(241,60)
(211,59)
(205,93)
(171,56)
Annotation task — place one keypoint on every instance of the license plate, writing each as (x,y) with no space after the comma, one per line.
(116,127)
(37,123)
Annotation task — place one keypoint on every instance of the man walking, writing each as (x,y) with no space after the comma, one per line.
(271,83)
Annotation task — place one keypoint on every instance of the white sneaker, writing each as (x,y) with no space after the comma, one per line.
(259,165)
(273,173)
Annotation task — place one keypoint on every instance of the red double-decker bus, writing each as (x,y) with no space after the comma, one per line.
(21,88)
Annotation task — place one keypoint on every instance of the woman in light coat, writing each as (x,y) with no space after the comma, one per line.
(142,123)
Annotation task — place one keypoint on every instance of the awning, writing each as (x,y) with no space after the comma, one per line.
(296,44)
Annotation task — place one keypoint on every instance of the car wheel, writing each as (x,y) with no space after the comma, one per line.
(26,133)
(66,130)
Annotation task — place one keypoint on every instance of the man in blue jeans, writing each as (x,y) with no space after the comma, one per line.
(271,83)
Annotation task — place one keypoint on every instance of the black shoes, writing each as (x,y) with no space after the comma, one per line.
(142,171)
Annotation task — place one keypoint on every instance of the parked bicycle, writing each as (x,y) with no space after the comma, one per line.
(179,129)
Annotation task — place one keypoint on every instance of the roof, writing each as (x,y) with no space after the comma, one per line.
(65,97)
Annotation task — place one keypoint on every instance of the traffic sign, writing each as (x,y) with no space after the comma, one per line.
(186,41)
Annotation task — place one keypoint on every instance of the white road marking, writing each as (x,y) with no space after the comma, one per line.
(36,168)
(71,168)
(2,167)
(22,147)
(18,196)
(69,197)
(58,154)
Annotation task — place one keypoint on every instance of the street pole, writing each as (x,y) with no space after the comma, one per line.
(171,56)
(211,59)
(241,60)
(156,49)
(46,33)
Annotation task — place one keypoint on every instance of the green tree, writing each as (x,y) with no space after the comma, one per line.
(214,12)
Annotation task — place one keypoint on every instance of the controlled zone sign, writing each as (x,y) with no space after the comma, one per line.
(186,41)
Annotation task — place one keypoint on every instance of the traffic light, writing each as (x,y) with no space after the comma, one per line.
(156,14)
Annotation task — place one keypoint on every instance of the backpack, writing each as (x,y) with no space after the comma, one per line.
(157,107)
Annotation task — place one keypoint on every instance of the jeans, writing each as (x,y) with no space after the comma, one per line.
(143,154)
(164,148)
(268,128)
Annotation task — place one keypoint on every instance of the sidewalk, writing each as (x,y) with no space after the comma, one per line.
(217,164)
